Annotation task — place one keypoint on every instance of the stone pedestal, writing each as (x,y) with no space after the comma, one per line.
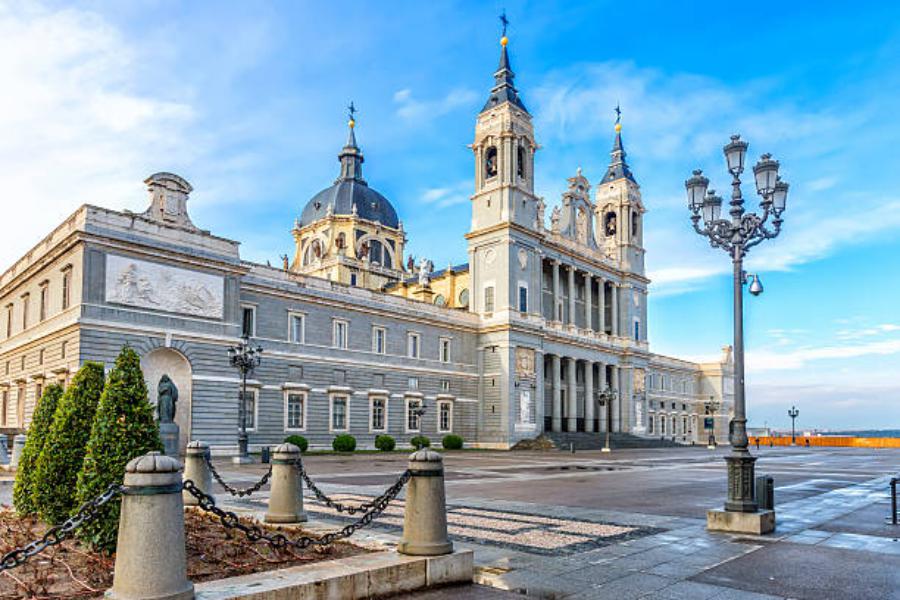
(168,433)
(286,498)
(425,515)
(755,523)
(4,452)
(151,559)
(18,447)
(197,470)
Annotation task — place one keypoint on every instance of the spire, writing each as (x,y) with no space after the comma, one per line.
(504,89)
(351,156)
(618,168)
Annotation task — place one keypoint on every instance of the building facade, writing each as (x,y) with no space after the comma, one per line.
(543,329)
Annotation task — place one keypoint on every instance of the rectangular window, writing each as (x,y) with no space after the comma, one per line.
(5,408)
(26,298)
(353,279)
(66,287)
(295,411)
(413,383)
(445,385)
(9,319)
(248,321)
(637,331)
(489,299)
(41,356)
(298,328)
(412,345)
(379,340)
(43,308)
(378,418)
(249,408)
(38,392)
(445,416)
(62,349)
(339,410)
(523,299)
(445,350)
(413,419)
(339,334)
(20,407)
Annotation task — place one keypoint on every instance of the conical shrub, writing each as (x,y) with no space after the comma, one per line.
(61,457)
(124,428)
(41,421)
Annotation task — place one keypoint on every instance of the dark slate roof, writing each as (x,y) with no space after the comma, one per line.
(618,168)
(504,90)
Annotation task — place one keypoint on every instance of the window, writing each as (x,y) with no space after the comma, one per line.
(295,411)
(413,383)
(378,414)
(650,424)
(520,162)
(489,299)
(464,298)
(490,162)
(662,425)
(637,331)
(352,278)
(9,319)
(248,321)
(41,356)
(523,299)
(26,298)
(445,385)
(249,408)
(298,328)
(339,334)
(412,345)
(445,416)
(66,287)
(339,413)
(413,418)
(20,406)
(439,300)
(62,349)
(43,308)
(379,339)
(444,351)
(38,392)
(4,407)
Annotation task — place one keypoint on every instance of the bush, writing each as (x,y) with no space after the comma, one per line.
(419,442)
(385,443)
(61,457)
(23,490)
(297,440)
(344,443)
(124,428)
(452,442)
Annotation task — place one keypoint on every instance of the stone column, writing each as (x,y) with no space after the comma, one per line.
(556,299)
(425,513)
(601,385)
(602,305)
(615,309)
(151,560)
(589,396)
(18,447)
(588,302)
(196,469)
(286,498)
(572,395)
(572,294)
(556,423)
(615,403)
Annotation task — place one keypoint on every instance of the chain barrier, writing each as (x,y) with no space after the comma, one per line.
(235,491)
(256,533)
(57,535)
(334,504)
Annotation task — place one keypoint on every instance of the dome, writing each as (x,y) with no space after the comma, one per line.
(343,196)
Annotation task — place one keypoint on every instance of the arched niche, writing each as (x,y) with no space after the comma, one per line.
(166,361)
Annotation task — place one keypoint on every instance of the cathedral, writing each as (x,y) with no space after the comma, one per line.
(542,331)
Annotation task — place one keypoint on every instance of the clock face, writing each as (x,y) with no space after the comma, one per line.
(489,256)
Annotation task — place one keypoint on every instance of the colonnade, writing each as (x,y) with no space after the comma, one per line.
(569,314)
(574,411)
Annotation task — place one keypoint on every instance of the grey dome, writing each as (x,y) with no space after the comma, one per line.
(343,196)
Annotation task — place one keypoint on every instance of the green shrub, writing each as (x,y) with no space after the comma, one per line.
(452,442)
(344,443)
(385,443)
(124,428)
(297,440)
(61,457)
(23,490)
(419,442)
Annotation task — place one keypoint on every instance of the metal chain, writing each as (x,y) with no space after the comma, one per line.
(56,535)
(331,503)
(235,491)
(256,533)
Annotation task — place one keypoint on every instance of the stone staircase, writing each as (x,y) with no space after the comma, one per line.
(596,441)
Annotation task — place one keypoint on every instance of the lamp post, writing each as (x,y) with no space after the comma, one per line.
(419,412)
(711,408)
(606,399)
(245,358)
(736,235)
(792,413)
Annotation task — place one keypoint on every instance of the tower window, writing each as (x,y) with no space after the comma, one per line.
(490,162)
(520,162)
(609,223)
(635,218)
(489,299)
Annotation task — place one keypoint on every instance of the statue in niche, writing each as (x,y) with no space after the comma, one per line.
(425,269)
(341,241)
(554,220)
(167,395)
(610,224)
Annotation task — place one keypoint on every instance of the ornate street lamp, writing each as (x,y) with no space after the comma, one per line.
(419,412)
(606,398)
(711,407)
(792,413)
(736,235)
(245,358)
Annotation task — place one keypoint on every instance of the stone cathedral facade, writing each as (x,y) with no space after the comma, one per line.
(544,329)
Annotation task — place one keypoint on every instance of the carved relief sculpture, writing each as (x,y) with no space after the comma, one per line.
(525,362)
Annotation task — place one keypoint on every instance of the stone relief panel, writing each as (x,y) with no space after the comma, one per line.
(525,362)
(160,287)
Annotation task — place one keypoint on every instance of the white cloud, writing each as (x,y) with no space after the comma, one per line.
(452,195)
(409,108)
(765,360)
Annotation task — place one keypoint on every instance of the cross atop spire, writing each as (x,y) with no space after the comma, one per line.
(618,112)
(351,156)
(351,112)
(504,21)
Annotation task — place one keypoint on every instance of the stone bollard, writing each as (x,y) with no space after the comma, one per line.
(286,497)
(151,559)
(18,447)
(425,516)
(196,469)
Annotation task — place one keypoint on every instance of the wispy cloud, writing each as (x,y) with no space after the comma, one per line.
(451,195)
(762,360)
(411,108)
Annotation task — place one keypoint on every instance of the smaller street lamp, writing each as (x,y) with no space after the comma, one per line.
(711,408)
(419,412)
(792,413)
(245,358)
(606,399)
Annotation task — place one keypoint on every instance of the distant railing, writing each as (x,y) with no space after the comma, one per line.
(828,441)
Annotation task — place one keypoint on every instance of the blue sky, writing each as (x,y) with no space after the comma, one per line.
(246,100)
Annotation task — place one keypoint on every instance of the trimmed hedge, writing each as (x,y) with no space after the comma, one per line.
(419,442)
(385,443)
(23,490)
(452,442)
(124,428)
(297,440)
(61,457)
(344,443)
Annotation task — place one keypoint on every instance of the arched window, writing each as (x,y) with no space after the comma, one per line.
(464,298)
(439,300)
(520,162)
(490,162)
(609,223)
(312,253)
(375,252)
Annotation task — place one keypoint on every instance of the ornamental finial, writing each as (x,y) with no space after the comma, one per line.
(618,112)
(351,112)
(504,40)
